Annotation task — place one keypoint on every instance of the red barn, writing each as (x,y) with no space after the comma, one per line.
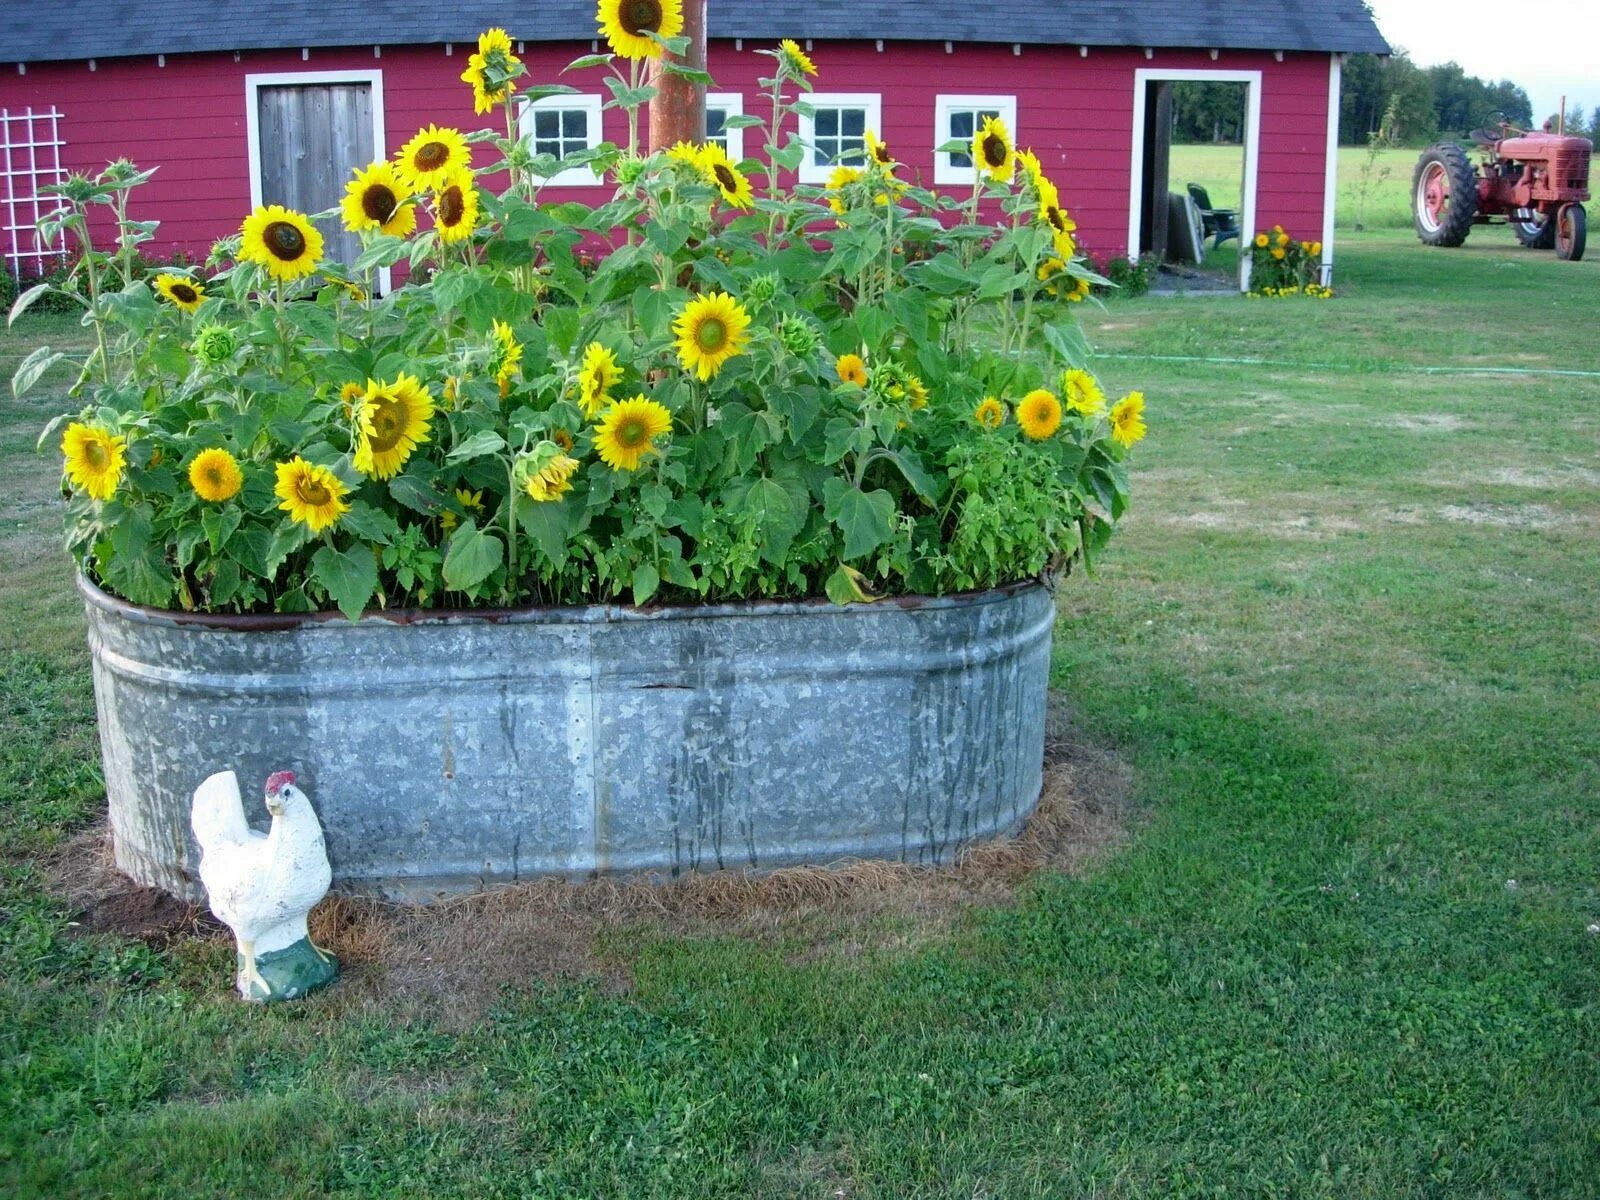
(240,103)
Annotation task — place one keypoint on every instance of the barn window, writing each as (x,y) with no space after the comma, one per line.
(957,119)
(719,107)
(562,126)
(835,132)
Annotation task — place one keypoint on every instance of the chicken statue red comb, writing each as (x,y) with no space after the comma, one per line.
(279,779)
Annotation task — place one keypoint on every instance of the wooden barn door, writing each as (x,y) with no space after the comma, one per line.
(309,138)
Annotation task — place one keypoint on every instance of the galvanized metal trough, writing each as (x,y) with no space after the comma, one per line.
(450,751)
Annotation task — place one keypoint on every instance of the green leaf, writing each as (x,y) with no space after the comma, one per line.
(561,325)
(692,74)
(251,548)
(31,368)
(749,432)
(741,121)
(349,576)
(135,568)
(219,524)
(1067,340)
(485,441)
(473,556)
(911,467)
(848,586)
(865,518)
(551,525)
(417,493)
(587,61)
(776,516)
(370,523)
(225,580)
(646,579)
(26,299)
(842,436)
(545,90)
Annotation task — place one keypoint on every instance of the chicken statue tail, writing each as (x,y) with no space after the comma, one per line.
(218,813)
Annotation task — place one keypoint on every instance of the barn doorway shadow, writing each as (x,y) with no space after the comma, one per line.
(1196,140)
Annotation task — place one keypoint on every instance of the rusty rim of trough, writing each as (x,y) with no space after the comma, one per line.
(569,614)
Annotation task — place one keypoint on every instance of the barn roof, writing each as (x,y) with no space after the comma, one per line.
(46,30)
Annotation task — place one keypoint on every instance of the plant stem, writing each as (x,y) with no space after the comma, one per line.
(511,531)
(93,275)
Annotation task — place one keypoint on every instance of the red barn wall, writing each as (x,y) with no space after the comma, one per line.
(1076,113)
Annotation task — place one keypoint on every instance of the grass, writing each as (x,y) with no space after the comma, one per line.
(1347,643)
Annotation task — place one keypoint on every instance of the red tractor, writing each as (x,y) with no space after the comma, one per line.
(1535,182)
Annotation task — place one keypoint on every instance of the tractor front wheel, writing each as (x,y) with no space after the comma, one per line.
(1569,223)
(1534,229)
(1444,195)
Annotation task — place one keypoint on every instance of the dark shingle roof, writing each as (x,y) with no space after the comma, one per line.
(76,29)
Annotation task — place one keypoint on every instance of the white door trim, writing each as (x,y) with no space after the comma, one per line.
(1330,187)
(1252,151)
(253,83)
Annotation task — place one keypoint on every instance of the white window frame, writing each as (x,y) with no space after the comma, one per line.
(946,172)
(253,83)
(732,104)
(871,102)
(592,106)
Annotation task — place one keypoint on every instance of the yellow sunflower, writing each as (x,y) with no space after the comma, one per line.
(507,356)
(990,413)
(596,377)
(730,181)
(455,206)
(1052,214)
(852,369)
(992,151)
(1029,162)
(1048,270)
(878,151)
(469,500)
(796,59)
(376,199)
(283,241)
(95,458)
(1261,241)
(1127,419)
(916,392)
(553,480)
(430,156)
(686,153)
(627,431)
(350,396)
(393,421)
(1039,414)
(310,494)
(841,178)
(491,70)
(215,476)
(626,24)
(711,330)
(1082,392)
(186,293)
(1080,290)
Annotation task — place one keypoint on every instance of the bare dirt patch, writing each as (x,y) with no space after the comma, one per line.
(455,959)
(1507,516)
(1431,422)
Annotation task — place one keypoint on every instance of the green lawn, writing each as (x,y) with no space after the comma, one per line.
(1348,643)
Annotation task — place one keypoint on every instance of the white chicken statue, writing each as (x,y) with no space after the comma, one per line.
(262,885)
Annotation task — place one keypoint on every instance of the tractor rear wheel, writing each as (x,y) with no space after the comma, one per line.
(1569,223)
(1534,229)
(1444,195)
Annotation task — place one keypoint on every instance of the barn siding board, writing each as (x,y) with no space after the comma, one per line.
(1076,112)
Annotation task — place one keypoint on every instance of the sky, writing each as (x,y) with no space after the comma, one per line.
(1551,55)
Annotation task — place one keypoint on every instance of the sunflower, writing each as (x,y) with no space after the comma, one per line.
(469,500)
(1261,241)
(878,151)
(1039,414)
(1080,290)
(564,439)
(992,150)
(186,293)
(627,431)
(688,154)
(990,413)
(711,330)
(376,199)
(730,181)
(1052,214)
(596,377)
(507,358)
(310,494)
(215,476)
(350,396)
(852,369)
(430,156)
(1127,419)
(491,70)
(841,178)
(1048,270)
(1083,393)
(455,206)
(627,25)
(796,59)
(393,421)
(95,458)
(554,479)
(916,392)
(281,240)
(1029,162)
(1278,253)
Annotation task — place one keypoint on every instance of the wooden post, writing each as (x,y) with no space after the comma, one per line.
(678,112)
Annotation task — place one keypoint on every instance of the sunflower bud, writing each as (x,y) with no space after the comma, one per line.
(629,170)
(761,290)
(214,344)
(799,336)
(545,472)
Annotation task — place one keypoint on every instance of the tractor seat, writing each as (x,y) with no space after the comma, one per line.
(1485,137)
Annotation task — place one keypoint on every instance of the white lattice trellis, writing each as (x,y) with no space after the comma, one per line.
(30,158)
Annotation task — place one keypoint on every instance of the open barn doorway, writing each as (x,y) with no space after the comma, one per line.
(1199,127)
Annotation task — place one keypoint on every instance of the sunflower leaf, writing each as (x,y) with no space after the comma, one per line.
(484,442)
(473,556)
(865,518)
(646,579)
(349,576)
(32,367)
(587,61)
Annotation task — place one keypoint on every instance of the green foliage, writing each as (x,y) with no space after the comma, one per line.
(1128,278)
(1281,267)
(766,476)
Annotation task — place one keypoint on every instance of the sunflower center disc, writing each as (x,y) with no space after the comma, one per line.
(711,334)
(432,156)
(379,203)
(993,152)
(284,241)
(632,433)
(451,206)
(641,15)
(387,423)
(312,493)
(725,178)
(96,454)
(184,294)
